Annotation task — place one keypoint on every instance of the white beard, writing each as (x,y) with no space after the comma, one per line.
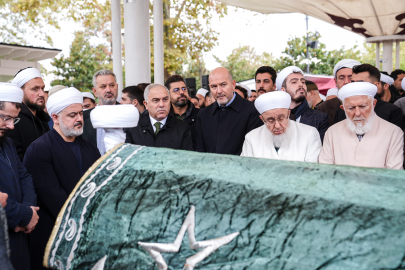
(359,129)
(70,132)
(281,139)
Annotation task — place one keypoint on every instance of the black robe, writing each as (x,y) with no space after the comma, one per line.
(55,172)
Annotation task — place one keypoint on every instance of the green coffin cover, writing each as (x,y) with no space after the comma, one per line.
(288,215)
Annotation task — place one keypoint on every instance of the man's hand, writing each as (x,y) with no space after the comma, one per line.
(3,199)
(20,229)
(34,220)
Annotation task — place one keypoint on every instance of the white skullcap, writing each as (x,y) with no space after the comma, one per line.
(202,92)
(284,74)
(26,75)
(323,97)
(403,84)
(115,116)
(345,63)
(332,92)
(88,95)
(357,89)
(273,100)
(386,79)
(62,99)
(11,93)
(249,91)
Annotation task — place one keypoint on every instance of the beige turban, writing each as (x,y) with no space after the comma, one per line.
(273,100)
(357,89)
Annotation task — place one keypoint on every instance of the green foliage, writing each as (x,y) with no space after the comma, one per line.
(83,62)
(243,62)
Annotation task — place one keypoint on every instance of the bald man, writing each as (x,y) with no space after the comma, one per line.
(221,127)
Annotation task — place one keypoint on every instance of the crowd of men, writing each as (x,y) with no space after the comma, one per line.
(49,139)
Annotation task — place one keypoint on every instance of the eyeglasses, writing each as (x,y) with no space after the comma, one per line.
(272,121)
(10,119)
(176,90)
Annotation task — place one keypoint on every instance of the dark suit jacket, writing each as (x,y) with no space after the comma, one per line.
(329,107)
(174,134)
(316,119)
(89,132)
(55,172)
(222,130)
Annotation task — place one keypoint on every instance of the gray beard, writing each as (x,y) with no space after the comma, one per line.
(281,139)
(70,132)
(360,130)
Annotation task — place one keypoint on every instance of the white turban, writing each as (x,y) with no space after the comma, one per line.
(113,118)
(62,99)
(26,75)
(202,92)
(88,95)
(345,63)
(284,74)
(357,89)
(273,100)
(11,93)
(249,91)
(386,79)
(403,84)
(332,92)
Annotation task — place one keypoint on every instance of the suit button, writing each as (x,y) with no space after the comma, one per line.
(223,109)
(144,131)
(192,120)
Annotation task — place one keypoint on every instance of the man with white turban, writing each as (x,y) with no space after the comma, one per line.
(279,137)
(363,138)
(332,93)
(57,161)
(201,93)
(291,80)
(89,102)
(342,73)
(33,119)
(384,89)
(21,209)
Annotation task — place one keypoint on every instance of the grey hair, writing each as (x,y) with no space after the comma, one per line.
(370,98)
(150,87)
(102,72)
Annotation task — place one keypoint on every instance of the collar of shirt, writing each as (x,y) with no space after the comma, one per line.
(153,121)
(229,103)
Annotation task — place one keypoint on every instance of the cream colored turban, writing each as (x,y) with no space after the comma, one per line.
(345,63)
(386,79)
(26,75)
(273,100)
(62,99)
(11,92)
(357,89)
(284,74)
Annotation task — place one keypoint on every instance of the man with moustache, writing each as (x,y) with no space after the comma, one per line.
(291,80)
(363,138)
(105,88)
(33,120)
(222,126)
(265,78)
(21,210)
(56,162)
(157,126)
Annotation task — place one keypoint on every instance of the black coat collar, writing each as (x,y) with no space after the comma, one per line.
(236,104)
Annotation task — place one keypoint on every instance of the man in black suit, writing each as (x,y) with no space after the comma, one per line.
(291,80)
(221,127)
(105,88)
(157,126)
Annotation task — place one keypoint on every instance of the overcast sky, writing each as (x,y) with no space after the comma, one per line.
(268,33)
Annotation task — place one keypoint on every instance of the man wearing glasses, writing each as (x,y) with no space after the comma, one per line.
(21,210)
(281,138)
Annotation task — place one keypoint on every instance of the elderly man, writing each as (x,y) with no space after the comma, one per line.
(21,210)
(313,97)
(363,138)
(291,80)
(342,73)
(281,138)
(385,110)
(265,78)
(33,120)
(105,88)
(157,126)
(133,95)
(57,161)
(89,102)
(222,126)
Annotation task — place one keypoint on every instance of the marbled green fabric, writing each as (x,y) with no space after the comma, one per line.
(290,215)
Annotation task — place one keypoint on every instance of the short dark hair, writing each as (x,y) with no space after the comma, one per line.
(143,85)
(267,69)
(372,71)
(92,100)
(17,105)
(173,79)
(243,90)
(134,92)
(253,90)
(397,72)
(311,86)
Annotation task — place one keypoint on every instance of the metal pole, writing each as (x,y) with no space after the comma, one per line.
(307,46)
(377,55)
(387,56)
(158,41)
(137,42)
(397,50)
(116,43)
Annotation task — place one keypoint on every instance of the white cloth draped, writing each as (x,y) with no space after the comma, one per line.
(11,92)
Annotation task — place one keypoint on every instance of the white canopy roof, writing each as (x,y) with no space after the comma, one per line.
(369,18)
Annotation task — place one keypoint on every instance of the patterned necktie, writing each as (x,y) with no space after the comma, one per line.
(157,126)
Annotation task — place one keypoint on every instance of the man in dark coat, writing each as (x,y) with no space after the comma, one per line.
(33,120)
(157,127)
(57,161)
(21,210)
(4,244)
(221,127)
(291,80)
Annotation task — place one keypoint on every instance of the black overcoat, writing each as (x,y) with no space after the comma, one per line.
(174,134)
(55,173)
(222,130)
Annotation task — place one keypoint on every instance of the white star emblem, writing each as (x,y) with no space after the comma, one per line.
(154,249)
